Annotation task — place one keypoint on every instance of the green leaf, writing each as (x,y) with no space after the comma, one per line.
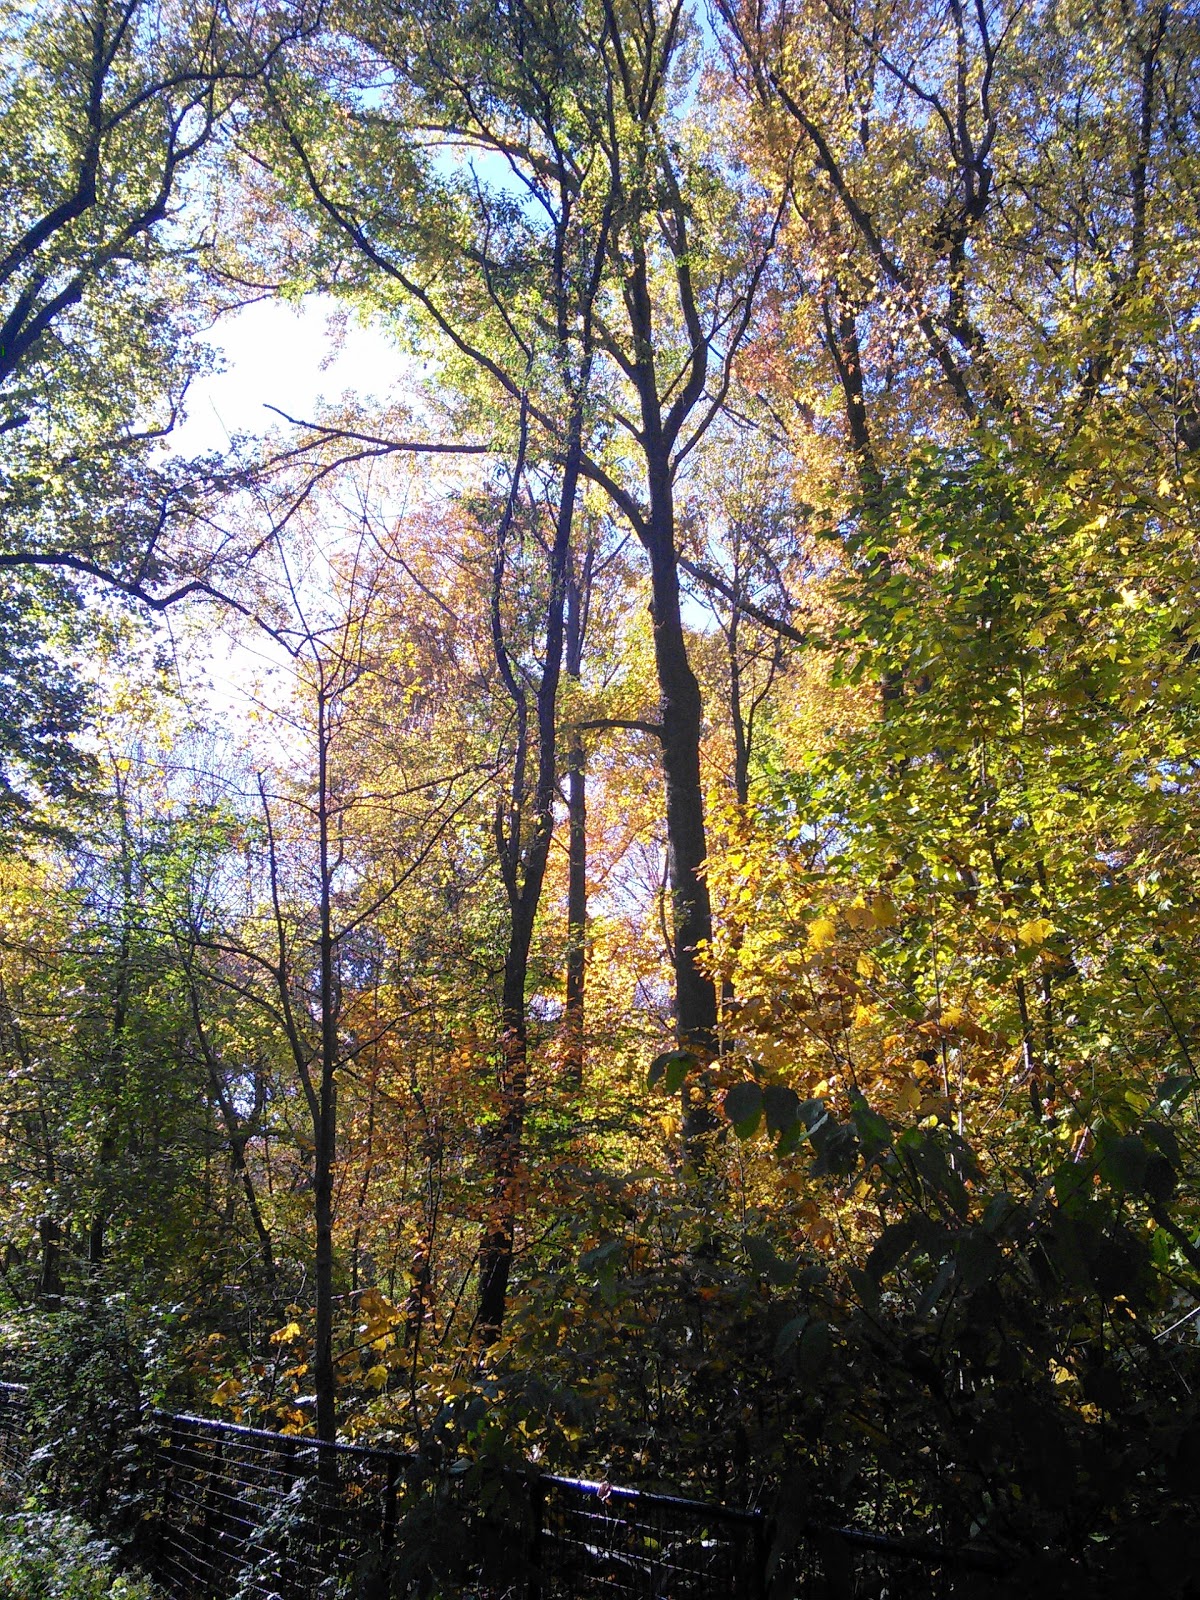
(1123,1162)
(743,1106)
(603,1258)
(789,1334)
(979,1258)
(935,1290)
(671,1068)
(1162,1135)
(866,1289)
(891,1247)
(766,1263)
(1172,1090)
(873,1130)
(782,1107)
(812,1114)
(997,1212)
(814,1351)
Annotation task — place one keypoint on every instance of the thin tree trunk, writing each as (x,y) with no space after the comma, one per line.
(325,1132)
(238,1134)
(113,1076)
(575,1019)
(524,872)
(50,1285)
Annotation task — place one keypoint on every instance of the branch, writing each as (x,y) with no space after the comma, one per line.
(413,447)
(134,590)
(634,724)
(714,580)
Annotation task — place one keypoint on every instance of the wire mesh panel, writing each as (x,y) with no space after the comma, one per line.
(857,1564)
(14,1443)
(596,1539)
(266,1514)
(851,1566)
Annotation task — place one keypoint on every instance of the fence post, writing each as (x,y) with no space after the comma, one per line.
(211,1538)
(760,1549)
(537,1517)
(387,1532)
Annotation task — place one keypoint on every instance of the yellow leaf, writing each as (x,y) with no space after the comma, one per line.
(374,1305)
(374,1331)
(227,1391)
(860,917)
(821,933)
(908,1097)
(376,1377)
(883,909)
(1035,931)
(285,1335)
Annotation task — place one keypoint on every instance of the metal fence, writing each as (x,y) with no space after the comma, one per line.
(13,1447)
(593,1538)
(264,1516)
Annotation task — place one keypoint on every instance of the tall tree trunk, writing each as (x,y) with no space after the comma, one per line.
(496,1249)
(112,1082)
(325,1130)
(523,865)
(574,1018)
(50,1285)
(682,712)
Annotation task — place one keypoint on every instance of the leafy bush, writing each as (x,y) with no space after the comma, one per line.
(85,1379)
(52,1556)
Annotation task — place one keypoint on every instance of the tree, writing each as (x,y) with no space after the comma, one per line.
(110,129)
(110,125)
(534,278)
(580,103)
(46,706)
(982,219)
(296,951)
(107,1134)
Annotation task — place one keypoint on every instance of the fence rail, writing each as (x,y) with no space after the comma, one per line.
(274,1517)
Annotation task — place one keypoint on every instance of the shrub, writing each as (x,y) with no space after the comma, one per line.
(51,1556)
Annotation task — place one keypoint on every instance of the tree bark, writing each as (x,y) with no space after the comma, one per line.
(325,1130)
(523,866)
(574,1018)
(682,715)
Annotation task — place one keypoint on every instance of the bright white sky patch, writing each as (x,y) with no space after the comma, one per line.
(294,357)
(285,355)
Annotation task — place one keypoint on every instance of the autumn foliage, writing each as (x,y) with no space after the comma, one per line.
(680,959)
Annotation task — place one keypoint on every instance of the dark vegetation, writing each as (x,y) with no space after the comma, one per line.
(678,962)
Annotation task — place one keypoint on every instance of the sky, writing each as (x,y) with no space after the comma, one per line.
(273,353)
(285,355)
(293,356)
